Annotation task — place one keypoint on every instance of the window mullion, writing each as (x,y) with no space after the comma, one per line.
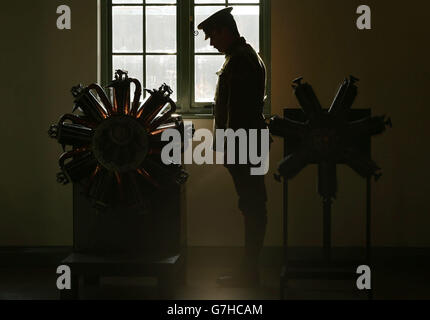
(265,33)
(144,50)
(192,56)
(183,53)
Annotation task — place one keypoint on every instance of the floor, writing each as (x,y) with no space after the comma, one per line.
(406,279)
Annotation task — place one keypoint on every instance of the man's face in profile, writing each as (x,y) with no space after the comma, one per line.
(218,39)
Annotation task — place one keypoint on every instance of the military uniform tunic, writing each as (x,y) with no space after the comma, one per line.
(240,92)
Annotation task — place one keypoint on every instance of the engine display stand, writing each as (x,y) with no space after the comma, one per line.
(128,206)
(326,268)
(124,244)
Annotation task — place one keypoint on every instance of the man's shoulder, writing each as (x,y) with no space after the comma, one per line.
(243,59)
(244,51)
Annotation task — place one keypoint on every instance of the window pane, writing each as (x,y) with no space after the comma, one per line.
(206,78)
(161,29)
(209,1)
(200,14)
(132,64)
(127,1)
(161,69)
(160,1)
(248,23)
(127,29)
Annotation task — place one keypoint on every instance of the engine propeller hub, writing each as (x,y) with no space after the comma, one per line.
(120,143)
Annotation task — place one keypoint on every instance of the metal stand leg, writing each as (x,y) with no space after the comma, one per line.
(283,283)
(368,221)
(368,232)
(285,221)
(327,229)
(284,278)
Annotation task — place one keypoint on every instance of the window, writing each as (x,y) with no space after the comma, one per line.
(157,42)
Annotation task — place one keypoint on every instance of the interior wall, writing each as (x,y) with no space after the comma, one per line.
(311,38)
(39,66)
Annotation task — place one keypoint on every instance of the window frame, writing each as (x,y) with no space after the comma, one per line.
(185,53)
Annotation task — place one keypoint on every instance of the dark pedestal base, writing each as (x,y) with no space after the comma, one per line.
(170,272)
(340,270)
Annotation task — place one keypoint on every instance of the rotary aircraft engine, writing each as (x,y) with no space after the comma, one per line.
(115,144)
(327,137)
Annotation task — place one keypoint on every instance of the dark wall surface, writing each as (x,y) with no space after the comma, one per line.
(39,64)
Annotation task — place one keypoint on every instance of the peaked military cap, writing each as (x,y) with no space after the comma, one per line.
(218,18)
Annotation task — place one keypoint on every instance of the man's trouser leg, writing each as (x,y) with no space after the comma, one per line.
(252,203)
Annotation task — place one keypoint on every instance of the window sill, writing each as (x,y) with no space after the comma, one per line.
(186,116)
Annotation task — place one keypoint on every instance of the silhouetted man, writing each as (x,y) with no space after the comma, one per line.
(239,101)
